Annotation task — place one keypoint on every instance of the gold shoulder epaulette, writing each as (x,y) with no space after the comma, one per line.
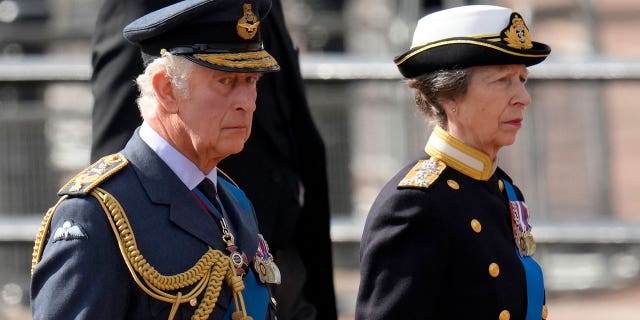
(94,174)
(423,174)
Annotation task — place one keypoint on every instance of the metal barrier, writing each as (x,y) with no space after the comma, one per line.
(610,248)
(320,67)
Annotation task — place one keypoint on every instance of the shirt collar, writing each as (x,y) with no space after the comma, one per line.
(186,170)
(460,156)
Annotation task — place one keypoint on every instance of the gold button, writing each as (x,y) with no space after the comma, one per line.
(500,185)
(274,302)
(545,312)
(504,315)
(454,185)
(193,302)
(494,269)
(476,226)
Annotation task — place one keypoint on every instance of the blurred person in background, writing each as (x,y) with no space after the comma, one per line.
(449,236)
(282,167)
(155,231)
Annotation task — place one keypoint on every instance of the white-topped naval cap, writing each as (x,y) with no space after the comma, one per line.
(467,36)
(467,21)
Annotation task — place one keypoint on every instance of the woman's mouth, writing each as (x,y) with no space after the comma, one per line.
(515,122)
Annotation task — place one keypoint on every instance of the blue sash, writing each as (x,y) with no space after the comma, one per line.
(256,298)
(256,294)
(533,272)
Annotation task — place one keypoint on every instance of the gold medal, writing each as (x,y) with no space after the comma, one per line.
(263,263)
(268,271)
(526,244)
(520,224)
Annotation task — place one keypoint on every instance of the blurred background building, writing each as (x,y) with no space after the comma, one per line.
(576,157)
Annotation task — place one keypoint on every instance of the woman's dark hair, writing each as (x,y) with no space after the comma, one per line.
(433,87)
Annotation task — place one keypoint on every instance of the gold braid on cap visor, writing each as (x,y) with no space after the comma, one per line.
(256,59)
(470,41)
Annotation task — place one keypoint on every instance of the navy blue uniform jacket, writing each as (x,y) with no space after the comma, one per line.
(438,243)
(422,260)
(86,278)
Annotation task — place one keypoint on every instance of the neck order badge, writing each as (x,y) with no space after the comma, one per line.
(209,198)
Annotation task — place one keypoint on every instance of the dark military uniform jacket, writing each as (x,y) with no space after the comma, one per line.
(79,270)
(284,137)
(438,242)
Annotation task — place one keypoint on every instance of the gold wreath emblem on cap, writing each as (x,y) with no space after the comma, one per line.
(516,34)
(247,25)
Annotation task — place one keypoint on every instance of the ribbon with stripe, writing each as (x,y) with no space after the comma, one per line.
(533,272)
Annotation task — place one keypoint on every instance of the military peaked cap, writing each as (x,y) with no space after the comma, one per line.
(218,34)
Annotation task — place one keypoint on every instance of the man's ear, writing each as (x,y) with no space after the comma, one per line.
(165,93)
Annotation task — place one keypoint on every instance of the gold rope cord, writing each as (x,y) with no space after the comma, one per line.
(208,272)
(38,244)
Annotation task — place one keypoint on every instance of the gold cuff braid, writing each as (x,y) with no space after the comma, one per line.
(207,274)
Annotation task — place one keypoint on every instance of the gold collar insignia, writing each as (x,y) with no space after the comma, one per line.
(459,156)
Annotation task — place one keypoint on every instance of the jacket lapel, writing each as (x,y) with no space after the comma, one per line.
(164,187)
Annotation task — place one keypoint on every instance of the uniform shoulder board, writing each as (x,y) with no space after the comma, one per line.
(93,175)
(423,174)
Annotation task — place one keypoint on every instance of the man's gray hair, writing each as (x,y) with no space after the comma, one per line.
(178,69)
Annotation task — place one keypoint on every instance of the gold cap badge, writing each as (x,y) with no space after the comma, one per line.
(516,34)
(247,25)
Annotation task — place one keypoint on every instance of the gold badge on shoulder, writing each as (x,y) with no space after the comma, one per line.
(423,174)
(91,176)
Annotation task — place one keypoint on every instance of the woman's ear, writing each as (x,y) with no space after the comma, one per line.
(449,106)
(165,93)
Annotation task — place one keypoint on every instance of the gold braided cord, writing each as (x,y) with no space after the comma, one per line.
(38,244)
(208,273)
(257,59)
(174,307)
